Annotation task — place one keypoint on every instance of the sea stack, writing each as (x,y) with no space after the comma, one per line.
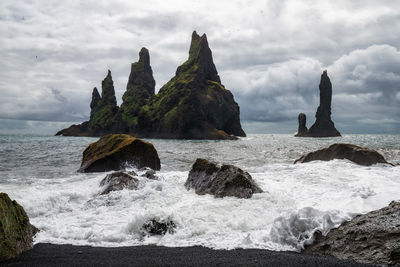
(302,125)
(323,126)
(139,90)
(104,113)
(192,105)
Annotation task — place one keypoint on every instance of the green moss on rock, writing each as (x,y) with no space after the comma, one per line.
(203,165)
(139,90)
(114,151)
(16,232)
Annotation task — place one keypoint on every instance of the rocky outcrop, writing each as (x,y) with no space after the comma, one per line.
(115,151)
(192,105)
(370,238)
(359,155)
(16,232)
(158,227)
(323,126)
(302,125)
(207,178)
(119,180)
(104,115)
(139,90)
(148,173)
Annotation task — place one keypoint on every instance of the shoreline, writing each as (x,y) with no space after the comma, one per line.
(45,254)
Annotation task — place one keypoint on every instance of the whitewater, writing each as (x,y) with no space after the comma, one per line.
(40,173)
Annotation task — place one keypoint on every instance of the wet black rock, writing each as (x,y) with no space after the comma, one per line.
(119,180)
(207,178)
(148,173)
(369,238)
(159,226)
(356,154)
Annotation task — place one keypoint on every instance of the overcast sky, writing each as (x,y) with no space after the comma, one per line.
(270,54)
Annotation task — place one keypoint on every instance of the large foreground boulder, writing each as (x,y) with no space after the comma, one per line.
(370,238)
(119,180)
(359,155)
(16,232)
(115,151)
(227,180)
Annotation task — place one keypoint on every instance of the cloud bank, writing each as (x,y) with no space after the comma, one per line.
(270,54)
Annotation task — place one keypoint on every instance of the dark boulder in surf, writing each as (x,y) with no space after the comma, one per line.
(158,227)
(119,180)
(16,232)
(207,178)
(148,173)
(373,237)
(115,151)
(356,154)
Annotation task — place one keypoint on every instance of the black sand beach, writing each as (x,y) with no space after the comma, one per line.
(68,255)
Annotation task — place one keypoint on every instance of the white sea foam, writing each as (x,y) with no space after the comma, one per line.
(297,200)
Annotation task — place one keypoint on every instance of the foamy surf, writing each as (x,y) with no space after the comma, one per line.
(298,199)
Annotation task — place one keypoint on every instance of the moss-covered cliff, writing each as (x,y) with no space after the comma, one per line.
(104,115)
(192,105)
(139,90)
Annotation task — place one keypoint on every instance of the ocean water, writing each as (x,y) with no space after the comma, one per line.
(40,173)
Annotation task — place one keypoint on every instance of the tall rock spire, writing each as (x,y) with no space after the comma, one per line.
(107,91)
(193,104)
(200,60)
(104,108)
(302,125)
(140,88)
(95,102)
(324,126)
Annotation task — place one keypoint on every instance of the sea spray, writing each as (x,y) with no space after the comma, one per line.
(298,199)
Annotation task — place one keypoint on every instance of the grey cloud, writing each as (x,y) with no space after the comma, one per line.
(270,54)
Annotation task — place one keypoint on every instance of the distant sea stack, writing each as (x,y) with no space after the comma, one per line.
(323,126)
(192,105)
(104,114)
(302,125)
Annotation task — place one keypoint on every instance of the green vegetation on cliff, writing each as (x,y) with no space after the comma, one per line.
(139,90)
(192,105)
(104,109)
